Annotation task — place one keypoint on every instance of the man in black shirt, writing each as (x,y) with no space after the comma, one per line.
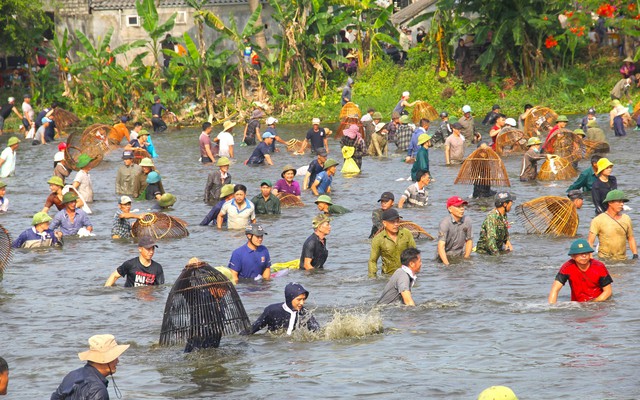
(315,167)
(156,115)
(6,110)
(314,251)
(142,270)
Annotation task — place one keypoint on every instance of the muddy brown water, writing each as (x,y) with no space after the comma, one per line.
(478,323)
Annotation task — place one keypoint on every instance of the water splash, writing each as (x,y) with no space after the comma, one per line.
(353,325)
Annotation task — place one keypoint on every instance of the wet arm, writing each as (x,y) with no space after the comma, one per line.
(468,247)
(407,299)
(267,158)
(314,187)
(266,274)
(447,159)
(373,259)
(112,278)
(442,253)
(632,243)
(555,289)
(606,293)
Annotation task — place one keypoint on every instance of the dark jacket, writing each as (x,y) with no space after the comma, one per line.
(275,317)
(84,383)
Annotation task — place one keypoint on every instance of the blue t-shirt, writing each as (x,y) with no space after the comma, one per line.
(250,263)
(156,109)
(257,157)
(325,182)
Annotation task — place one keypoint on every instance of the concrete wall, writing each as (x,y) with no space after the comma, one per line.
(98,23)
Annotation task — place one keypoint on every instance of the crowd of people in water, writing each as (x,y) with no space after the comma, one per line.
(393,255)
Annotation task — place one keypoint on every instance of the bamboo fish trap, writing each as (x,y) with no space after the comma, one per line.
(556,169)
(169,118)
(64,118)
(347,122)
(350,110)
(421,110)
(565,143)
(539,121)
(93,141)
(416,230)
(159,225)
(289,200)
(203,305)
(296,146)
(595,147)
(549,215)
(6,251)
(511,141)
(139,153)
(483,167)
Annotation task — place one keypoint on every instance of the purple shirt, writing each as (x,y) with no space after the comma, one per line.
(205,140)
(283,186)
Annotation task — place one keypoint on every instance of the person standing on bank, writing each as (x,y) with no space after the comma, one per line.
(401,282)
(588,278)
(6,110)
(141,270)
(494,233)
(90,381)
(613,229)
(455,235)
(347,91)
(206,146)
(156,115)
(314,250)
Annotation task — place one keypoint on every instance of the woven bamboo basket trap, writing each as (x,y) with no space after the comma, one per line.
(6,251)
(203,305)
(159,225)
(296,146)
(92,141)
(289,200)
(549,215)
(511,141)
(139,153)
(483,167)
(64,118)
(557,169)
(565,143)
(416,230)
(421,110)
(350,110)
(539,121)
(347,122)
(595,147)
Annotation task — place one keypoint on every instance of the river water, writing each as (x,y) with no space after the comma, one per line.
(477,323)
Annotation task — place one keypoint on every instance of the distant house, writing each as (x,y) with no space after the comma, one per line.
(95,17)
(411,9)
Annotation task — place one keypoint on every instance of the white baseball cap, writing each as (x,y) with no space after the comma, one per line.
(466,109)
(510,121)
(125,200)
(405,94)
(271,121)
(315,121)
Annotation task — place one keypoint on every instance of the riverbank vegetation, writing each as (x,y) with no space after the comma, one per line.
(527,52)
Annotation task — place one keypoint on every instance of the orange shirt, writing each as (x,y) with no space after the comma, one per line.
(118,132)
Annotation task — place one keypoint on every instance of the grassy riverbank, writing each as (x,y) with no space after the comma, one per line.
(568,91)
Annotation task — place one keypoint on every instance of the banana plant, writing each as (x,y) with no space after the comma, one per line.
(151,24)
(232,32)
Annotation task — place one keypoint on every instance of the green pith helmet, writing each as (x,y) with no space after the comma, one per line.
(580,246)
(40,218)
(324,199)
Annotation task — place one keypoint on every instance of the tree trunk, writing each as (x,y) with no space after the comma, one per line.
(261,39)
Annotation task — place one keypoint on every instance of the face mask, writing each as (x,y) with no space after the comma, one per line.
(536,150)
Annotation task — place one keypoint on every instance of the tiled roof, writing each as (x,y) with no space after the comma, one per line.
(131,4)
(411,11)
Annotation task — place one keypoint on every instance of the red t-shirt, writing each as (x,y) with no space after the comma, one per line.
(546,141)
(585,285)
(493,138)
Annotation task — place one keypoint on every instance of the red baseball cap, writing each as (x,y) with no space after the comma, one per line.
(456,201)
(62,146)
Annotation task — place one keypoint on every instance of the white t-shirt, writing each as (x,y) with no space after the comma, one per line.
(225,140)
(9,165)
(86,188)
(28,110)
